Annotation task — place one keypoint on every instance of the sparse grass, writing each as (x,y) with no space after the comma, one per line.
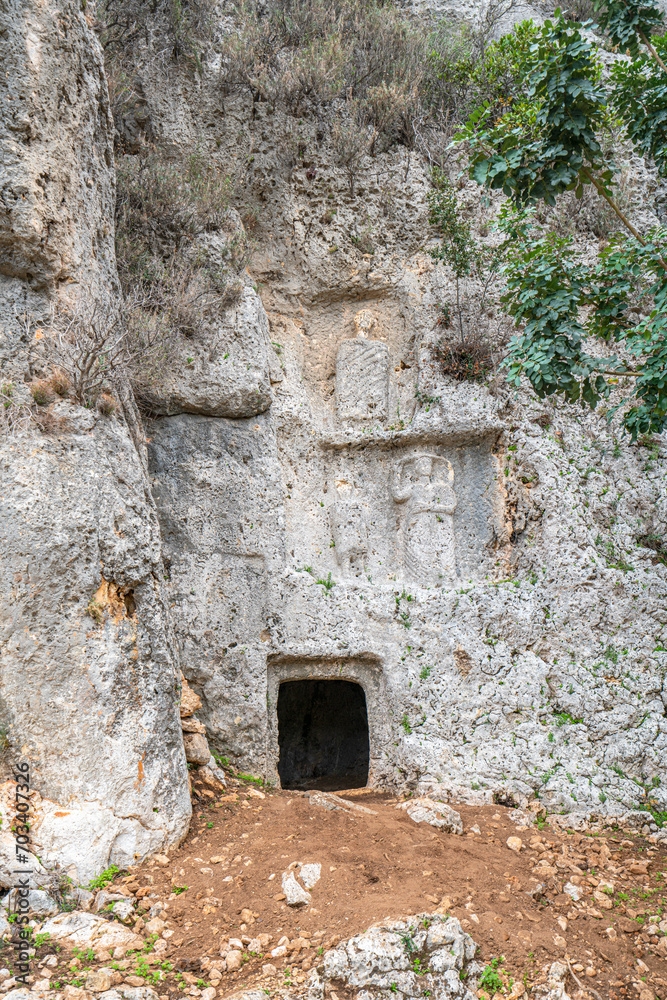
(60,383)
(41,393)
(251,779)
(563,718)
(657,544)
(96,612)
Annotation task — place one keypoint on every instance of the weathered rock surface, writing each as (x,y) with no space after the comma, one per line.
(407,956)
(40,904)
(331,802)
(310,874)
(437,814)
(196,748)
(226,372)
(295,894)
(442,621)
(86,930)
(89,697)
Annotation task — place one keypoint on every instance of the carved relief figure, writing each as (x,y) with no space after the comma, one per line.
(348,528)
(424,483)
(362,378)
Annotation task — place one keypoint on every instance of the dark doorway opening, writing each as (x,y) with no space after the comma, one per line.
(322,735)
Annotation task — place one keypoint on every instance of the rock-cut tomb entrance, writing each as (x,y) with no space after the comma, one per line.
(323,735)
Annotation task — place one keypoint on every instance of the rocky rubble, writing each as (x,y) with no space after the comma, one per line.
(197,750)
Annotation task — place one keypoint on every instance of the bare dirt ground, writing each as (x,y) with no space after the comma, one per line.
(225,882)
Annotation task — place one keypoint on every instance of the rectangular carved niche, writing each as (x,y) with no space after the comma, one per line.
(363,672)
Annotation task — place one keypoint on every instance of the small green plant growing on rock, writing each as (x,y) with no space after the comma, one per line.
(327,584)
(101,880)
(408,942)
(95,610)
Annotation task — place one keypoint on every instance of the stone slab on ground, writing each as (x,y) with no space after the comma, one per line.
(87,930)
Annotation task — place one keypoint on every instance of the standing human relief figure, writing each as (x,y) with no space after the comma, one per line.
(349,530)
(425,483)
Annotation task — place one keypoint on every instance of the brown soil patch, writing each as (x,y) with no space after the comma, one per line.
(385,866)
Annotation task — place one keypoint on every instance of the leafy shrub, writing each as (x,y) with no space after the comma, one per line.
(551,142)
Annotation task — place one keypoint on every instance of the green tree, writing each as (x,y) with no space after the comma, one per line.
(555,137)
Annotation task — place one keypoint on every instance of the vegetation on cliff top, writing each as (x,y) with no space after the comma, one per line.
(585,328)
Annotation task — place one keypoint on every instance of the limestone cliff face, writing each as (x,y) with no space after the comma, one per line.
(313,498)
(475,559)
(91,702)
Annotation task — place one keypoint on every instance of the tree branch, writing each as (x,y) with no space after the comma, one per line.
(651,50)
(610,201)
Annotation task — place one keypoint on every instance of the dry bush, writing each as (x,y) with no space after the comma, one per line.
(161,204)
(152,343)
(15,416)
(92,352)
(470,361)
(396,73)
(177,30)
(100,350)
(475,336)
(350,143)
(580,10)
(180,254)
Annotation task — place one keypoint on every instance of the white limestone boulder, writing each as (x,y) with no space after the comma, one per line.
(425,952)
(437,814)
(86,930)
